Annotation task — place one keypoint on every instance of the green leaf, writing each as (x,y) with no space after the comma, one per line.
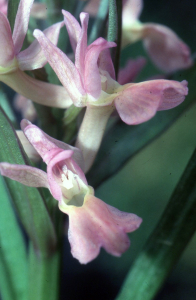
(121,141)
(28,201)
(170,237)
(13,256)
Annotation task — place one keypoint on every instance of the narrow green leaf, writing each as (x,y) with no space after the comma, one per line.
(28,201)
(4,103)
(43,276)
(13,256)
(12,10)
(121,141)
(164,247)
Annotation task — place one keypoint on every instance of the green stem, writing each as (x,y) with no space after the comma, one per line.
(114,30)
(164,247)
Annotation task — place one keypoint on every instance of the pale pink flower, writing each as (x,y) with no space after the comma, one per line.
(92,223)
(165,48)
(91,82)
(13,61)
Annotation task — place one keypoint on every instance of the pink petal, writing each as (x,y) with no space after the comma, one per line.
(33,57)
(165,48)
(92,77)
(26,175)
(43,143)
(63,67)
(82,44)
(7,46)
(38,91)
(105,63)
(131,70)
(139,102)
(73,28)
(21,23)
(96,225)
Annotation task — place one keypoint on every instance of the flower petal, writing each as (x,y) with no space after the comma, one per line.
(82,44)
(73,28)
(92,77)
(7,46)
(105,63)
(139,102)
(62,65)
(26,175)
(165,48)
(21,23)
(33,57)
(96,225)
(43,143)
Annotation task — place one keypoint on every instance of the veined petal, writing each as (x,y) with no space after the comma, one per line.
(82,44)
(131,70)
(139,102)
(7,46)
(38,91)
(96,225)
(165,48)
(33,57)
(21,23)
(62,65)
(26,175)
(44,144)
(73,28)
(92,79)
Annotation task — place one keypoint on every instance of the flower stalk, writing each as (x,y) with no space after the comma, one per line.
(88,143)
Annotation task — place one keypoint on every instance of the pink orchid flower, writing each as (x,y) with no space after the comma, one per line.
(168,52)
(91,82)
(92,223)
(13,61)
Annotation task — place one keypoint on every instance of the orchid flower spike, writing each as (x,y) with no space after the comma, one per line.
(92,223)
(13,61)
(91,82)
(168,52)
